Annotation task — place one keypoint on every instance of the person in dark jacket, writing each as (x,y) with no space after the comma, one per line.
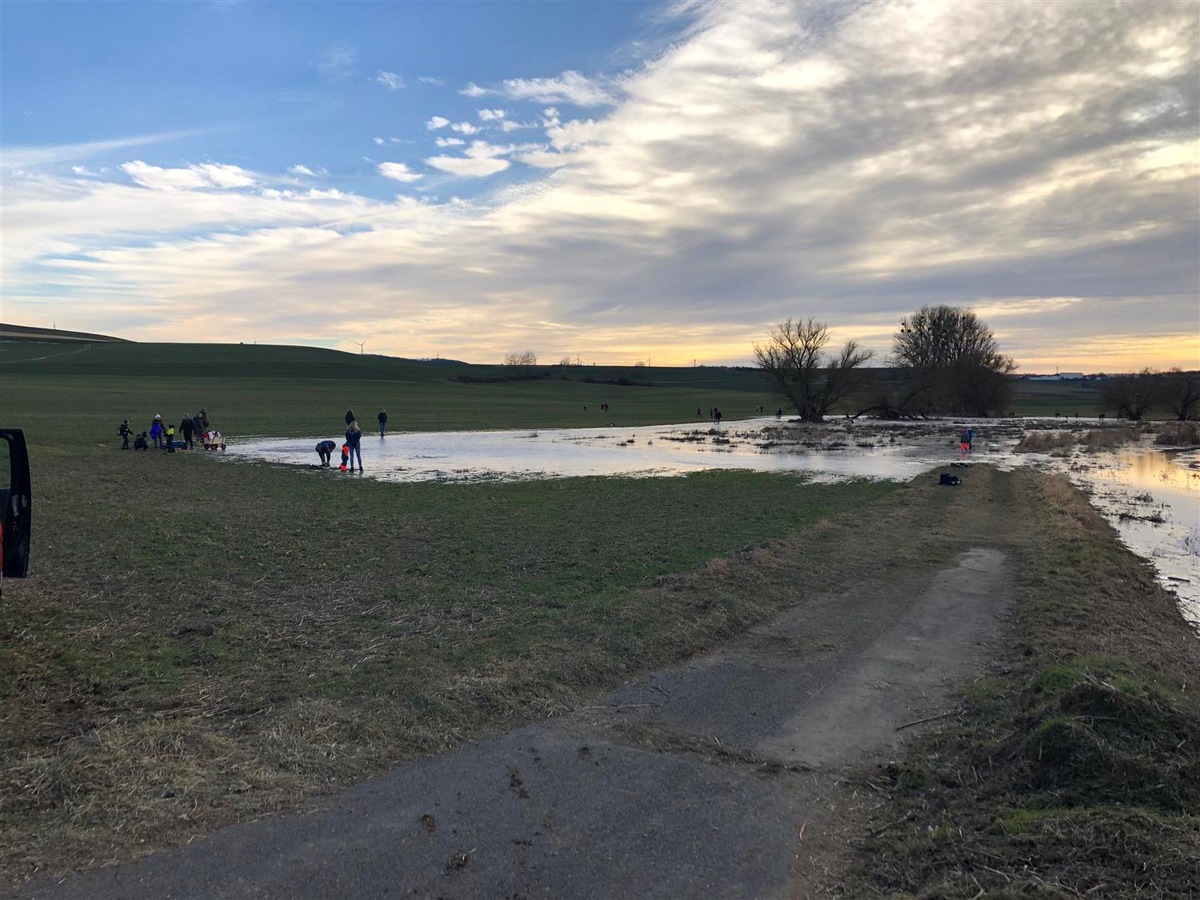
(325,451)
(124,431)
(140,442)
(354,442)
(187,429)
(382,417)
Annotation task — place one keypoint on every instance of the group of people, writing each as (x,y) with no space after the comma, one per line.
(352,448)
(163,435)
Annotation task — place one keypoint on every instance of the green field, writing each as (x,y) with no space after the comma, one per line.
(294,391)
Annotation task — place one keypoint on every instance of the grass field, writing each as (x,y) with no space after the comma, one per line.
(292,391)
(204,642)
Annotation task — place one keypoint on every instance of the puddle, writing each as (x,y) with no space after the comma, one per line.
(1151,496)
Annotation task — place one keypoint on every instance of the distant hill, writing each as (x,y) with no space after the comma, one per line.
(25,332)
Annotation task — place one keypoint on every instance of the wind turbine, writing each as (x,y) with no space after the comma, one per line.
(361,344)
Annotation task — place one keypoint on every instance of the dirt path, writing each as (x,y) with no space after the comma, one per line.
(717,778)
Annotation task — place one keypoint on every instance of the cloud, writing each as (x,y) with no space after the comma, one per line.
(430,80)
(25,158)
(389,80)
(436,122)
(543,159)
(204,175)
(449,142)
(302,170)
(569,87)
(399,172)
(468,167)
(337,63)
(465,128)
(491,115)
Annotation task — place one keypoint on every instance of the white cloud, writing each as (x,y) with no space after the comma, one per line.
(302,170)
(25,158)
(449,142)
(430,80)
(491,115)
(464,128)
(379,141)
(468,167)
(338,62)
(204,175)
(398,172)
(436,122)
(569,87)
(543,159)
(390,80)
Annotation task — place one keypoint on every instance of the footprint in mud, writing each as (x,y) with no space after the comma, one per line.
(515,784)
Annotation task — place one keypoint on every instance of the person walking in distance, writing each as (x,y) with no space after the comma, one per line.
(354,442)
(124,431)
(382,421)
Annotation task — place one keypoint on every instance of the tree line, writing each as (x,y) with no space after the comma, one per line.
(947,362)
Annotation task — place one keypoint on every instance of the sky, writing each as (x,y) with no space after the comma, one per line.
(605,182)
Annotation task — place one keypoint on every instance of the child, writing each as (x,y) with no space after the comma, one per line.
(325,451)
(140,442)
(124,431)
(345,456)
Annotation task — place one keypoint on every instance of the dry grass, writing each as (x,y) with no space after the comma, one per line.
(1060,443)
(1178,434)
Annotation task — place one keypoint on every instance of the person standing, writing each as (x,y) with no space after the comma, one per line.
(156,432)
(382,417)
(124,431)
(354,442)
(170,438)
(187,429)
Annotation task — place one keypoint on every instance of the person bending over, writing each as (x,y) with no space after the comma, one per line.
(325,451)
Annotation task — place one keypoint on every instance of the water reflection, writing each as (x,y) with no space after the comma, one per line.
(1152,498)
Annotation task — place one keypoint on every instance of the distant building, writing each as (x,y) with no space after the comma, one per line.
(1057,376)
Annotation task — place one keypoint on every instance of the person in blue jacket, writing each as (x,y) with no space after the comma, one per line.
(354,442)
(325,451)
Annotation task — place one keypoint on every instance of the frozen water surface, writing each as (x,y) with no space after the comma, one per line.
(1151,496)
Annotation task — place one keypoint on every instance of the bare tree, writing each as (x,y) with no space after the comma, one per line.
(954,362)
(812,381)
(1131,396)
(525,358)
(1181,390)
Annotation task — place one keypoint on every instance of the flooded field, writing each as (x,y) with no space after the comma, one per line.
(1150,494)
